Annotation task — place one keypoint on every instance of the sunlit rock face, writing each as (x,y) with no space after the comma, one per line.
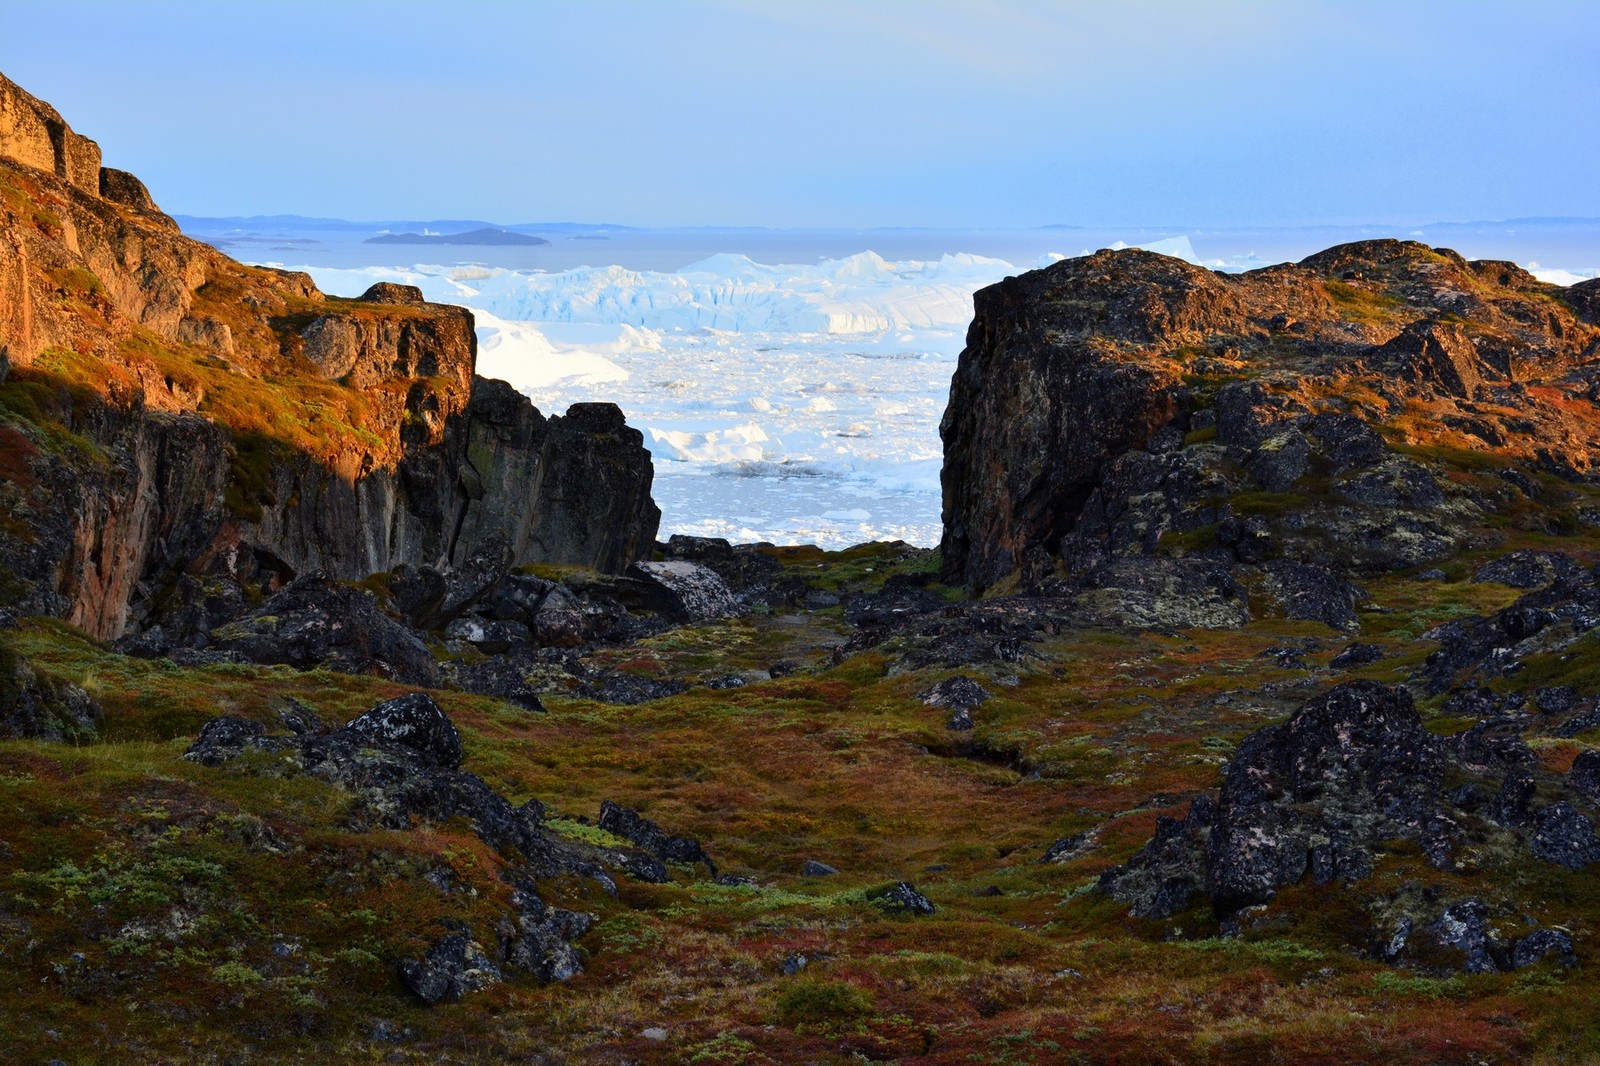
(197,415)
(1112,405)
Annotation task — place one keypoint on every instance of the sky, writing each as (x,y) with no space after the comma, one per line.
(825,113)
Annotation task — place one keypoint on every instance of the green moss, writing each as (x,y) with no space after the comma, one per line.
(819,1001)
(1361,304)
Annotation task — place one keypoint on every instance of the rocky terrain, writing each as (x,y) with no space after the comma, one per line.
(350,710)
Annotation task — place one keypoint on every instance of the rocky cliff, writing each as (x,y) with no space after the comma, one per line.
(168,411)
(1126,406)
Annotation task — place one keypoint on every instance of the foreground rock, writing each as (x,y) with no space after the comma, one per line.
(1321,796)
(317,622)
(401,762)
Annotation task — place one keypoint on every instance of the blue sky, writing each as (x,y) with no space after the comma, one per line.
(825,113)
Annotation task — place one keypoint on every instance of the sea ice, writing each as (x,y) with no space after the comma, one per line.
(845,362)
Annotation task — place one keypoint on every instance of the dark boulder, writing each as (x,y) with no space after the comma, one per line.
(960,694)
(453,966)
(488,635)
(1356,655)
(1527,569)
(429,597)
(1348,442)
(1316,793)
(1436,353)
(1493,743)
(1464,927)
(900,898)
(1544,944)
(1555,699)
(1065,849)
(1313,594)
(224,739)
(1513,804)
(1565,837)
(1583,776)
(502,678)
(754,574)
(1280,460)
(315,622)
(641,831)
(1163,877)
(412,721)
(615,686)
(1248,539)
(400,761)
(541,940)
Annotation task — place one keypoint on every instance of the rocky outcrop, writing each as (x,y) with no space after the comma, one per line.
(34,133)
(401,761)
(37,705)
(1327,794)
(315,622)
(179,414)
(1120,404)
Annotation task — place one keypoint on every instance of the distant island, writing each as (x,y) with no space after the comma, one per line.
(478,236)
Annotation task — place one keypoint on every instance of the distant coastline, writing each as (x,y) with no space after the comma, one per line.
(477,237)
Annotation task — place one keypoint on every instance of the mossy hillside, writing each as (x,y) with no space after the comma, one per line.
(841,763)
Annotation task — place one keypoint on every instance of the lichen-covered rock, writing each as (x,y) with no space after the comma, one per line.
(754,575)
(684,591)
(1544,944)
(1565,836)
(1583,776)
(453,966)
(1528,569)
(961,695)
(1356,655)
(1313,593)
(226,738)
(544,945)
(1162,594)
(1315,794)
(412,721)
(901,897)
(957,692)
(1463,927)
(400,762)
(1163,877)
(501,677)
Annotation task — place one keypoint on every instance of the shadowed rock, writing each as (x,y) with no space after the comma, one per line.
(633,827)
